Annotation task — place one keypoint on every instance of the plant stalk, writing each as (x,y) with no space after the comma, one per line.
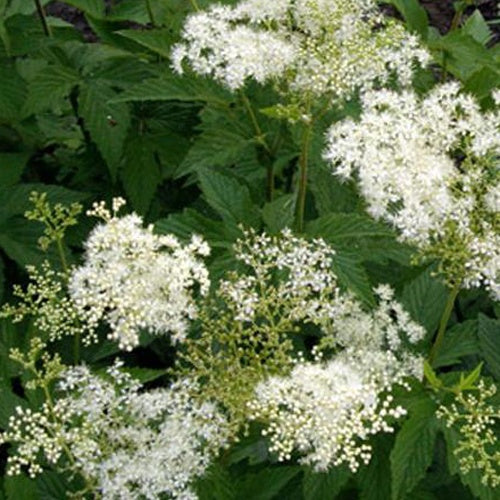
(43,18)
(262,141)
(443,323)
(195,5)
(151,15)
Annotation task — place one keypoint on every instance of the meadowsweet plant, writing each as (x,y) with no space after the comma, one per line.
(429,166)
(307,47)
(124,442)
(248,330)
(475,415)
(326,410)
(133,279)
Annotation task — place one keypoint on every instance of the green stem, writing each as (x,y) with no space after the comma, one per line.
(262,141)
(195,5)
(444,322)
(64,264)
(62,256)
(302,189)
(150,13)
(43,18)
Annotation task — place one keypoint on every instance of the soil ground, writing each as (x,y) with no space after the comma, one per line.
(440,12)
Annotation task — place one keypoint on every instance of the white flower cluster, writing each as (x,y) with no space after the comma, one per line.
(406,152)
(297,275)
(125,443)
(476,416)
(134,279)
(315,47)
(327,411)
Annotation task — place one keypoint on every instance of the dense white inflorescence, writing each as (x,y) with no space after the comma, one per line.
(134,279)
(430,167)
(315,47)
(125,443)
(327,411)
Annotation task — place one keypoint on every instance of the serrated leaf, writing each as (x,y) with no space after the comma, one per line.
(331,195)
(93,7)
(413,449)
(106,122)
(460,340)
(463,54)
(51,486)
(477,28)
(425,298)
(324,486)
(11,167)
(414,14)
(373,478)
(20,487)
(489,343)
(228,197)
(175,88)
(19,240)
(140,174)
(336,227)
(266,484)
(122,72)
(49,88)
(13,93)
(157,40)
(214,148)
(352,275)
(190,222)
(216,484)
(279,213)
(145,375)
(482,82)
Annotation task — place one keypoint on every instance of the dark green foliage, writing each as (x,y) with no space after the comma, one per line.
(85,116)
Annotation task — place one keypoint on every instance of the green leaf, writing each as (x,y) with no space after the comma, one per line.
(141,174)
(460,340)
(477,28)
(489,343)
(52,486)
(331,195)
(190,222)
(413,449)
(93,7)
(214,148)
(145,375)
(106,122)
(19,240)
(11,167)
(266,484)
(414,14)
(12,94)
(228,197)
(352,275)
(463,55)
(373,478)
(482,82)
(425,298)
(431,376)
(8,403)
(216,484)
(157,40)
(336,227)
(20,487)
(176,88)
(279,213)
(324,486)
(49,88)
